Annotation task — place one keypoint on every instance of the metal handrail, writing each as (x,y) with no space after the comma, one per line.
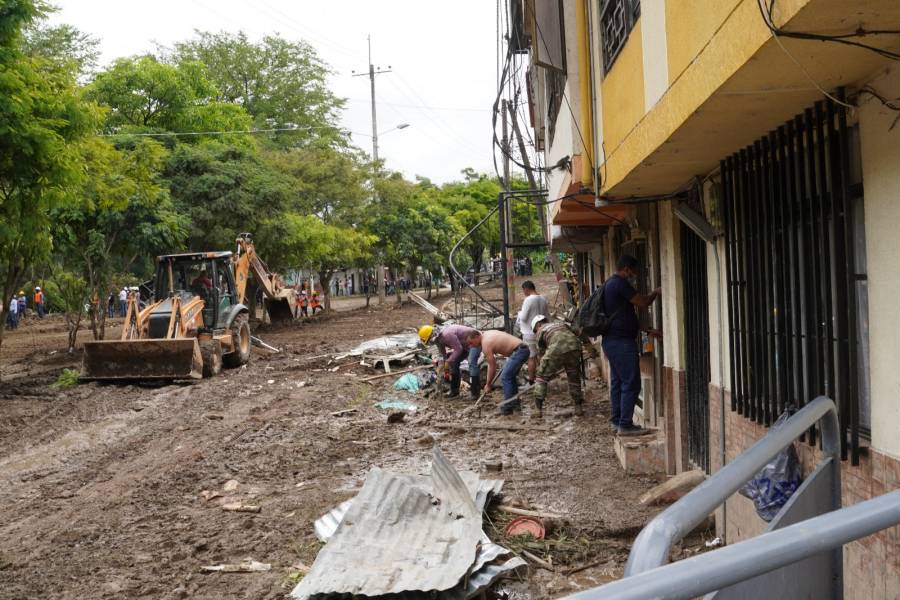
(652,546)
(733,564)
(460,279)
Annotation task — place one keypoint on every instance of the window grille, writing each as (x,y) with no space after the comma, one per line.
(796,309)
(617,19)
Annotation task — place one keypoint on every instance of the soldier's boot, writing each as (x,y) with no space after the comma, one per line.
(538,412)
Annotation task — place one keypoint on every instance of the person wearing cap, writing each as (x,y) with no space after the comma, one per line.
(452,339)
(560,349)
(39,302)
(493,343)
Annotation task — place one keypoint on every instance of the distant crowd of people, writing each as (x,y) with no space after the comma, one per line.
(18,309)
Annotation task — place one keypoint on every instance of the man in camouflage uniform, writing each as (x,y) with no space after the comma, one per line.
(560,349)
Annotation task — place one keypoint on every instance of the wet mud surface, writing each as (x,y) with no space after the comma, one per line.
(113,491)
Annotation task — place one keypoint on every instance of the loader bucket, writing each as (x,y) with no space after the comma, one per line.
(280,309)
(142,359)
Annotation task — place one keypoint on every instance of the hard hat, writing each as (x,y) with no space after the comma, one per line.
(21,293)
(537,319)
(425,332)
(37,289)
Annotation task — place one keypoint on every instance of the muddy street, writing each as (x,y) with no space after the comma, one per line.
(114,491)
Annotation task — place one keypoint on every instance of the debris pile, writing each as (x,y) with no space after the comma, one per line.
(416,535)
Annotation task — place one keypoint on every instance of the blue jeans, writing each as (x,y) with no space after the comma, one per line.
(40,310)
(625,378)
(511,370)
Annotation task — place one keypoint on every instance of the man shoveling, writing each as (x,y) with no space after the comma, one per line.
(492,343)
(560,349)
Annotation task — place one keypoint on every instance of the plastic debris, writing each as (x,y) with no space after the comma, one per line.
(408,382)
(529,526)
(247,566)
(396,404)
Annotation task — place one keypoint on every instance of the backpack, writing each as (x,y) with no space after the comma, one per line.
(592,319)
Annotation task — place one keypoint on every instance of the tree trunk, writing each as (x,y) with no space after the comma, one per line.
(12,274)
(73,323)
(325,282)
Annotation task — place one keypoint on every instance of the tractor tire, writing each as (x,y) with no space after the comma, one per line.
(240,336)
(212,358)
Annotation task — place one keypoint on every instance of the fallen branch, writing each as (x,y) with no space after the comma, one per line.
(491,426)
(346,411)
(538,561)
(383,375)
(528,513)
(589,565)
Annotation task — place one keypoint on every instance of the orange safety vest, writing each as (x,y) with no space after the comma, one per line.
(38,297)
(315,302)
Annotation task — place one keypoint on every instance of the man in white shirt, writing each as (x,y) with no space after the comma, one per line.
(533,305)
(13,318)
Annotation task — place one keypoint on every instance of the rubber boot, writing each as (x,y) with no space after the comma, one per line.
(454,385)
(475,387)
(538,412)
(579,409)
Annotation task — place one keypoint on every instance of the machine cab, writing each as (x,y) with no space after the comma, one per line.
(205,275)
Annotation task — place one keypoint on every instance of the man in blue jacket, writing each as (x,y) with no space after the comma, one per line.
(620,343)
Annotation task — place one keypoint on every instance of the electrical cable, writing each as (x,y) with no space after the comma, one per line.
(839,39)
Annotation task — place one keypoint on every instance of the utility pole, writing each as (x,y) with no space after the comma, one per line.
(542,211)
(508,256)
(372,72)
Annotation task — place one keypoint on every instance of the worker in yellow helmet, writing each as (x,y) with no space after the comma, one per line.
(451,339)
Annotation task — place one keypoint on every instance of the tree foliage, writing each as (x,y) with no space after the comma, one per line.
(280,83)
(42,119)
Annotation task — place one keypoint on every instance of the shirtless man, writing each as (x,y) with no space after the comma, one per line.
(492,343)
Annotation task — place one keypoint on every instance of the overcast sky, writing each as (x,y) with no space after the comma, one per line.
(442,55)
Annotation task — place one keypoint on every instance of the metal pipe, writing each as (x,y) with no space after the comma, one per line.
(651,548)
(501,213)
(721,568)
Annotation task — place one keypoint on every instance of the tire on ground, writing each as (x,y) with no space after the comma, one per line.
(240,337)
(212,358)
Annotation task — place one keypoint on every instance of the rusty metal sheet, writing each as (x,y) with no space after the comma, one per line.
(397,538)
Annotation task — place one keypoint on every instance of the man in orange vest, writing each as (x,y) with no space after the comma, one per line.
(314,303)
(39,302)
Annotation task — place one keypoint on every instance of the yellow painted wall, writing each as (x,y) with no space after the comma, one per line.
(623,91)
(689,26)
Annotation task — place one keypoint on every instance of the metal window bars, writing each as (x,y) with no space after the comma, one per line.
(617,19)
(792,309)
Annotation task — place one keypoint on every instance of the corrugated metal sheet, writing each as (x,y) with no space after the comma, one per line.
(397,538)
(481,491)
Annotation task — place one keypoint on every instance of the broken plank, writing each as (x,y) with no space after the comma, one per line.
(383,375)
(346,411)
(528,513)
(538,561)
(492,426)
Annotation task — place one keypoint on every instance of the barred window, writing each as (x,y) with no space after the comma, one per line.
(617,19)
(796,275)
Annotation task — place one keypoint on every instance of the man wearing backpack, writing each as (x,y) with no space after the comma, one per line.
(620,342)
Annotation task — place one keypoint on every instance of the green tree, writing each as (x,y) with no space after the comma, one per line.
(64,46)
(324,248)
(280,83)
(123,213)
(145,95)
(223,191)
(70,292)
(42,119)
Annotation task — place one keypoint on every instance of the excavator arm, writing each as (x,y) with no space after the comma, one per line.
(279,300)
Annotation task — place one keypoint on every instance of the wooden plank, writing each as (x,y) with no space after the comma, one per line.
(491,426)
(383,375)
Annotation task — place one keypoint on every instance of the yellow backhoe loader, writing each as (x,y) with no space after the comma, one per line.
(197,320)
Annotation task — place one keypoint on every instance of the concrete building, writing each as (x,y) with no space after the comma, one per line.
(754,117)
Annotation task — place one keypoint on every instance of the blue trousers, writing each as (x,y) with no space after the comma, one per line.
(625,378)
(511,370)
